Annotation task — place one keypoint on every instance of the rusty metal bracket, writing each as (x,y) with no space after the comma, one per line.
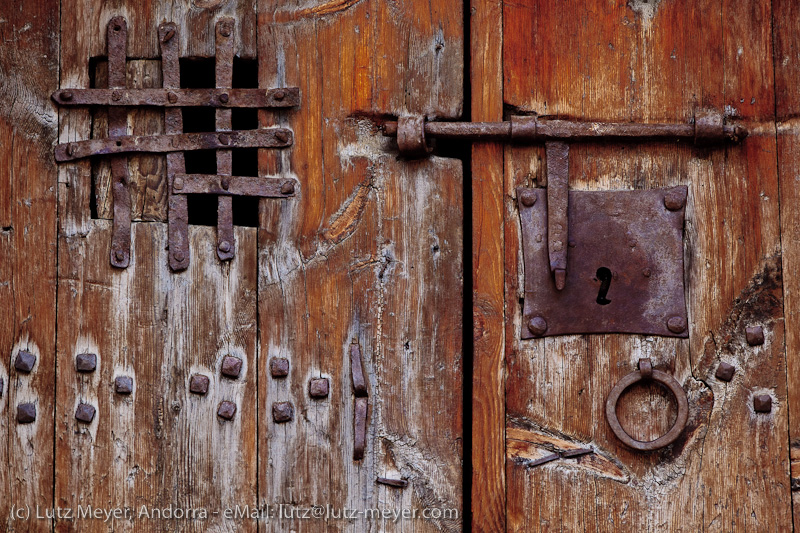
(117,35)
(360,408)
(174,142)
(280,97)
(557,228)
(226,243)
(177,205)
(647,373)
(625,264)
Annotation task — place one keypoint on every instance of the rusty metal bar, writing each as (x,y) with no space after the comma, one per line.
(398,483)
(177,205)
(226,242)
(226,185)
(280,97)
(707,128)
(557,153)
(176,142)
(360,428)
(117,37)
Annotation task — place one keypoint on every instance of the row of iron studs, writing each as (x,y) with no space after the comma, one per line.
(86,363)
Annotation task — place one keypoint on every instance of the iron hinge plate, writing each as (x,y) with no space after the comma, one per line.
(636,235)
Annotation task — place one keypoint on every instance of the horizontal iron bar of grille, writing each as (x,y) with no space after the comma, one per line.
(266,138)
(223,185)
(250,98)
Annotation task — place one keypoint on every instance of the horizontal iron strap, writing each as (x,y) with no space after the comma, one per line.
(533,129)
(266,187)
(266,138)
(251,98)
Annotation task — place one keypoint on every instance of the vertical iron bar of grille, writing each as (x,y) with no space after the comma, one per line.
(117,38)
(224,74)
(177,205)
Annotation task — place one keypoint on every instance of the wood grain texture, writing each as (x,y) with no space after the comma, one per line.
(488,314)
(28,73)
(786,35)
(369,249)
(146,172)
(161,447)
(655,61)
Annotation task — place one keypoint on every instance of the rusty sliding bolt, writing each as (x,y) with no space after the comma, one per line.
(413,134)
(357,370)
(708,127)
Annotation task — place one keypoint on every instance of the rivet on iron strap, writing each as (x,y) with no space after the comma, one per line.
(557,203)
(226,246)
(178,211)
(117,37)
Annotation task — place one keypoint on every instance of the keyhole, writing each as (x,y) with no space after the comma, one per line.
(604,275)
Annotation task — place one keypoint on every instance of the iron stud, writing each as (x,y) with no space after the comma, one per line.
(85,413)
(26,413)
(754,335)
(226,410)
(537,325)
(318,388)
(676,324)
(279,367)
(123,385)
(24,362)
(282,412)
(198,384)
(762,403)
(725,371)
(86,362)
(231,366)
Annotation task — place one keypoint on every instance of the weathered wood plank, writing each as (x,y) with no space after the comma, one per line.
(488,249)
(161,446)
(28,73)
(635,62)
(785,18)
(146,172)
(369,249)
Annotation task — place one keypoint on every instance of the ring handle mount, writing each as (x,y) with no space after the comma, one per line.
(647,373)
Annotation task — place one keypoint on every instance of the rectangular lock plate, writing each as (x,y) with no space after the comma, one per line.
(624,267)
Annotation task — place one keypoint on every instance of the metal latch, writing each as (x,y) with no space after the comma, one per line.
(595,262)
(174,142)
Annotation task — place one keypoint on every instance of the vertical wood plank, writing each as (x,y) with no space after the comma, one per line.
(488,249)
(28,122)
(369,249)
(161,447)
(654,62)
(786,36)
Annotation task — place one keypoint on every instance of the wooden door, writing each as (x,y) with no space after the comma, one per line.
(107,423)
(641,61)
(366,253)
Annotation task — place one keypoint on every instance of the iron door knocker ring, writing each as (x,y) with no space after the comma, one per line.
(646,373)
